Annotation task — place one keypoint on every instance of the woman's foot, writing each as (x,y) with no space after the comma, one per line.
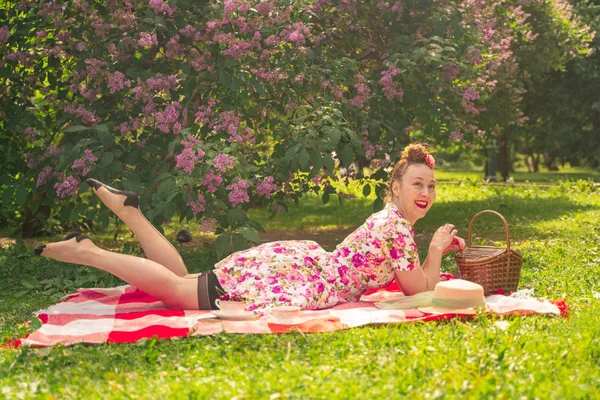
(118,201)
(72,249)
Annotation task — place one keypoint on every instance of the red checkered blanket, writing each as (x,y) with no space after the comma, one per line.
(125,314)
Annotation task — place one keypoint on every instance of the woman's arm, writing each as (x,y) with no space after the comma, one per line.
(426,277)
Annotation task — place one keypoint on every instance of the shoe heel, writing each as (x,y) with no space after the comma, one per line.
(39,250)
(132,198)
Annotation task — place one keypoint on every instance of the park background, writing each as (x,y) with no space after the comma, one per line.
(253,121)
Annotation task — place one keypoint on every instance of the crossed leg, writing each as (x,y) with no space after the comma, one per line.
(145,274)
(155,245)
(163,275)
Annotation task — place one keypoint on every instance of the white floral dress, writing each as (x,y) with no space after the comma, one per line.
(302,273)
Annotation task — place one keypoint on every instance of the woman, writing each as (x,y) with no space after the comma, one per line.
(295,272)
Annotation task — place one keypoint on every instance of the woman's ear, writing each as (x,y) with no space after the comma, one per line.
(396,188)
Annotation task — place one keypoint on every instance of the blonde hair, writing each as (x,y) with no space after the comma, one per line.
(415,153)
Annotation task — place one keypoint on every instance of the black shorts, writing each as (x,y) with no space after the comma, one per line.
(209,290)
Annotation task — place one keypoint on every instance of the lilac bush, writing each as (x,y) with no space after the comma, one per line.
(207,109)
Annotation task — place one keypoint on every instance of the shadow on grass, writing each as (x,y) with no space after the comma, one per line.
(521,215)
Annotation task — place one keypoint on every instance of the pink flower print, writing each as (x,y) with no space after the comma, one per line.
(277,289)
(308,261)
(285,298)
(270,280)
(320,287)
(400,241)
(358,260)
(396,253)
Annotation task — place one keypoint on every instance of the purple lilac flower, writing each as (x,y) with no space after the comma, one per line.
(208,225)
(239,193)
(198,205)
(266,187)
(188,157)
(85,163)
(44,176)
(147,40)
(31,134)
(67,187)
(4,34)
(117,82)
(471,94)
(454,136)
(160,7)
(223,162)
(211,181)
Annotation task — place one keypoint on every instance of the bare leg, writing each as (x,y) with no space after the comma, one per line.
(156,280)
(155,245)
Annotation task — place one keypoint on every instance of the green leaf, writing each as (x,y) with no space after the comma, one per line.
(132,157)
(325,198)
(107,158)
(76,128)
(103,220)
(106,139)
(102,128)
(7,195)
(169,210)
(222,244)
(235,216)
(165,188)
(256,226)
(334,136)
(239,242)
(377,205)
(328,163)
(22,195)
(346,155)
(303,158)
(317,161)
(29,281)
(366,190)
(77,211)
(251,235)
(35,323)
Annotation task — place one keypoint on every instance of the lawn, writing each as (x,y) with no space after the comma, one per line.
(556,229)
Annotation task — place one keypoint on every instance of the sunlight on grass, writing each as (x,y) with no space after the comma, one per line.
(555,229)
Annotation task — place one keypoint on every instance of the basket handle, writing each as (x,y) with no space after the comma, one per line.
(503,220)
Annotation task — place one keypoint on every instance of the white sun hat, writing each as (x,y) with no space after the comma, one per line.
(455,296)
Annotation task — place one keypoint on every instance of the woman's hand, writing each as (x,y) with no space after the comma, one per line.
(445,240)
(457,244)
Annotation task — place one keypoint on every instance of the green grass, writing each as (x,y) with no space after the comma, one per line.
(556,229)
(521,175)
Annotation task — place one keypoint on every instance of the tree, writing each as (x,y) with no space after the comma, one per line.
(209,108)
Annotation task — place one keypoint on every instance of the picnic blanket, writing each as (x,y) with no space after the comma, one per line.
(125,314)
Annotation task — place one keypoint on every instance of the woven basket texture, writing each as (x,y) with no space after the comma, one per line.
(494,268)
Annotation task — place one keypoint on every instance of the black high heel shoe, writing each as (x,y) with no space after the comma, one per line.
(77,235)
(132,200)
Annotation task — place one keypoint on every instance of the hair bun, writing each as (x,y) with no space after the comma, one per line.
(414,152)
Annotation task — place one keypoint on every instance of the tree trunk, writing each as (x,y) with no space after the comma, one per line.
(503,157)
(536,163)
(31,226)
(550,162)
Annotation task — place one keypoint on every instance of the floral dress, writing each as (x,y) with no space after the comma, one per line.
(302,273)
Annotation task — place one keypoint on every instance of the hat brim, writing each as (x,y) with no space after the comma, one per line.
(443,310)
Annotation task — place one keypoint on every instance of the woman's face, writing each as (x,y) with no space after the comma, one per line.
(414,193)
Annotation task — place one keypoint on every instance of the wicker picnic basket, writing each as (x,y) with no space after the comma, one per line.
(492,267)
